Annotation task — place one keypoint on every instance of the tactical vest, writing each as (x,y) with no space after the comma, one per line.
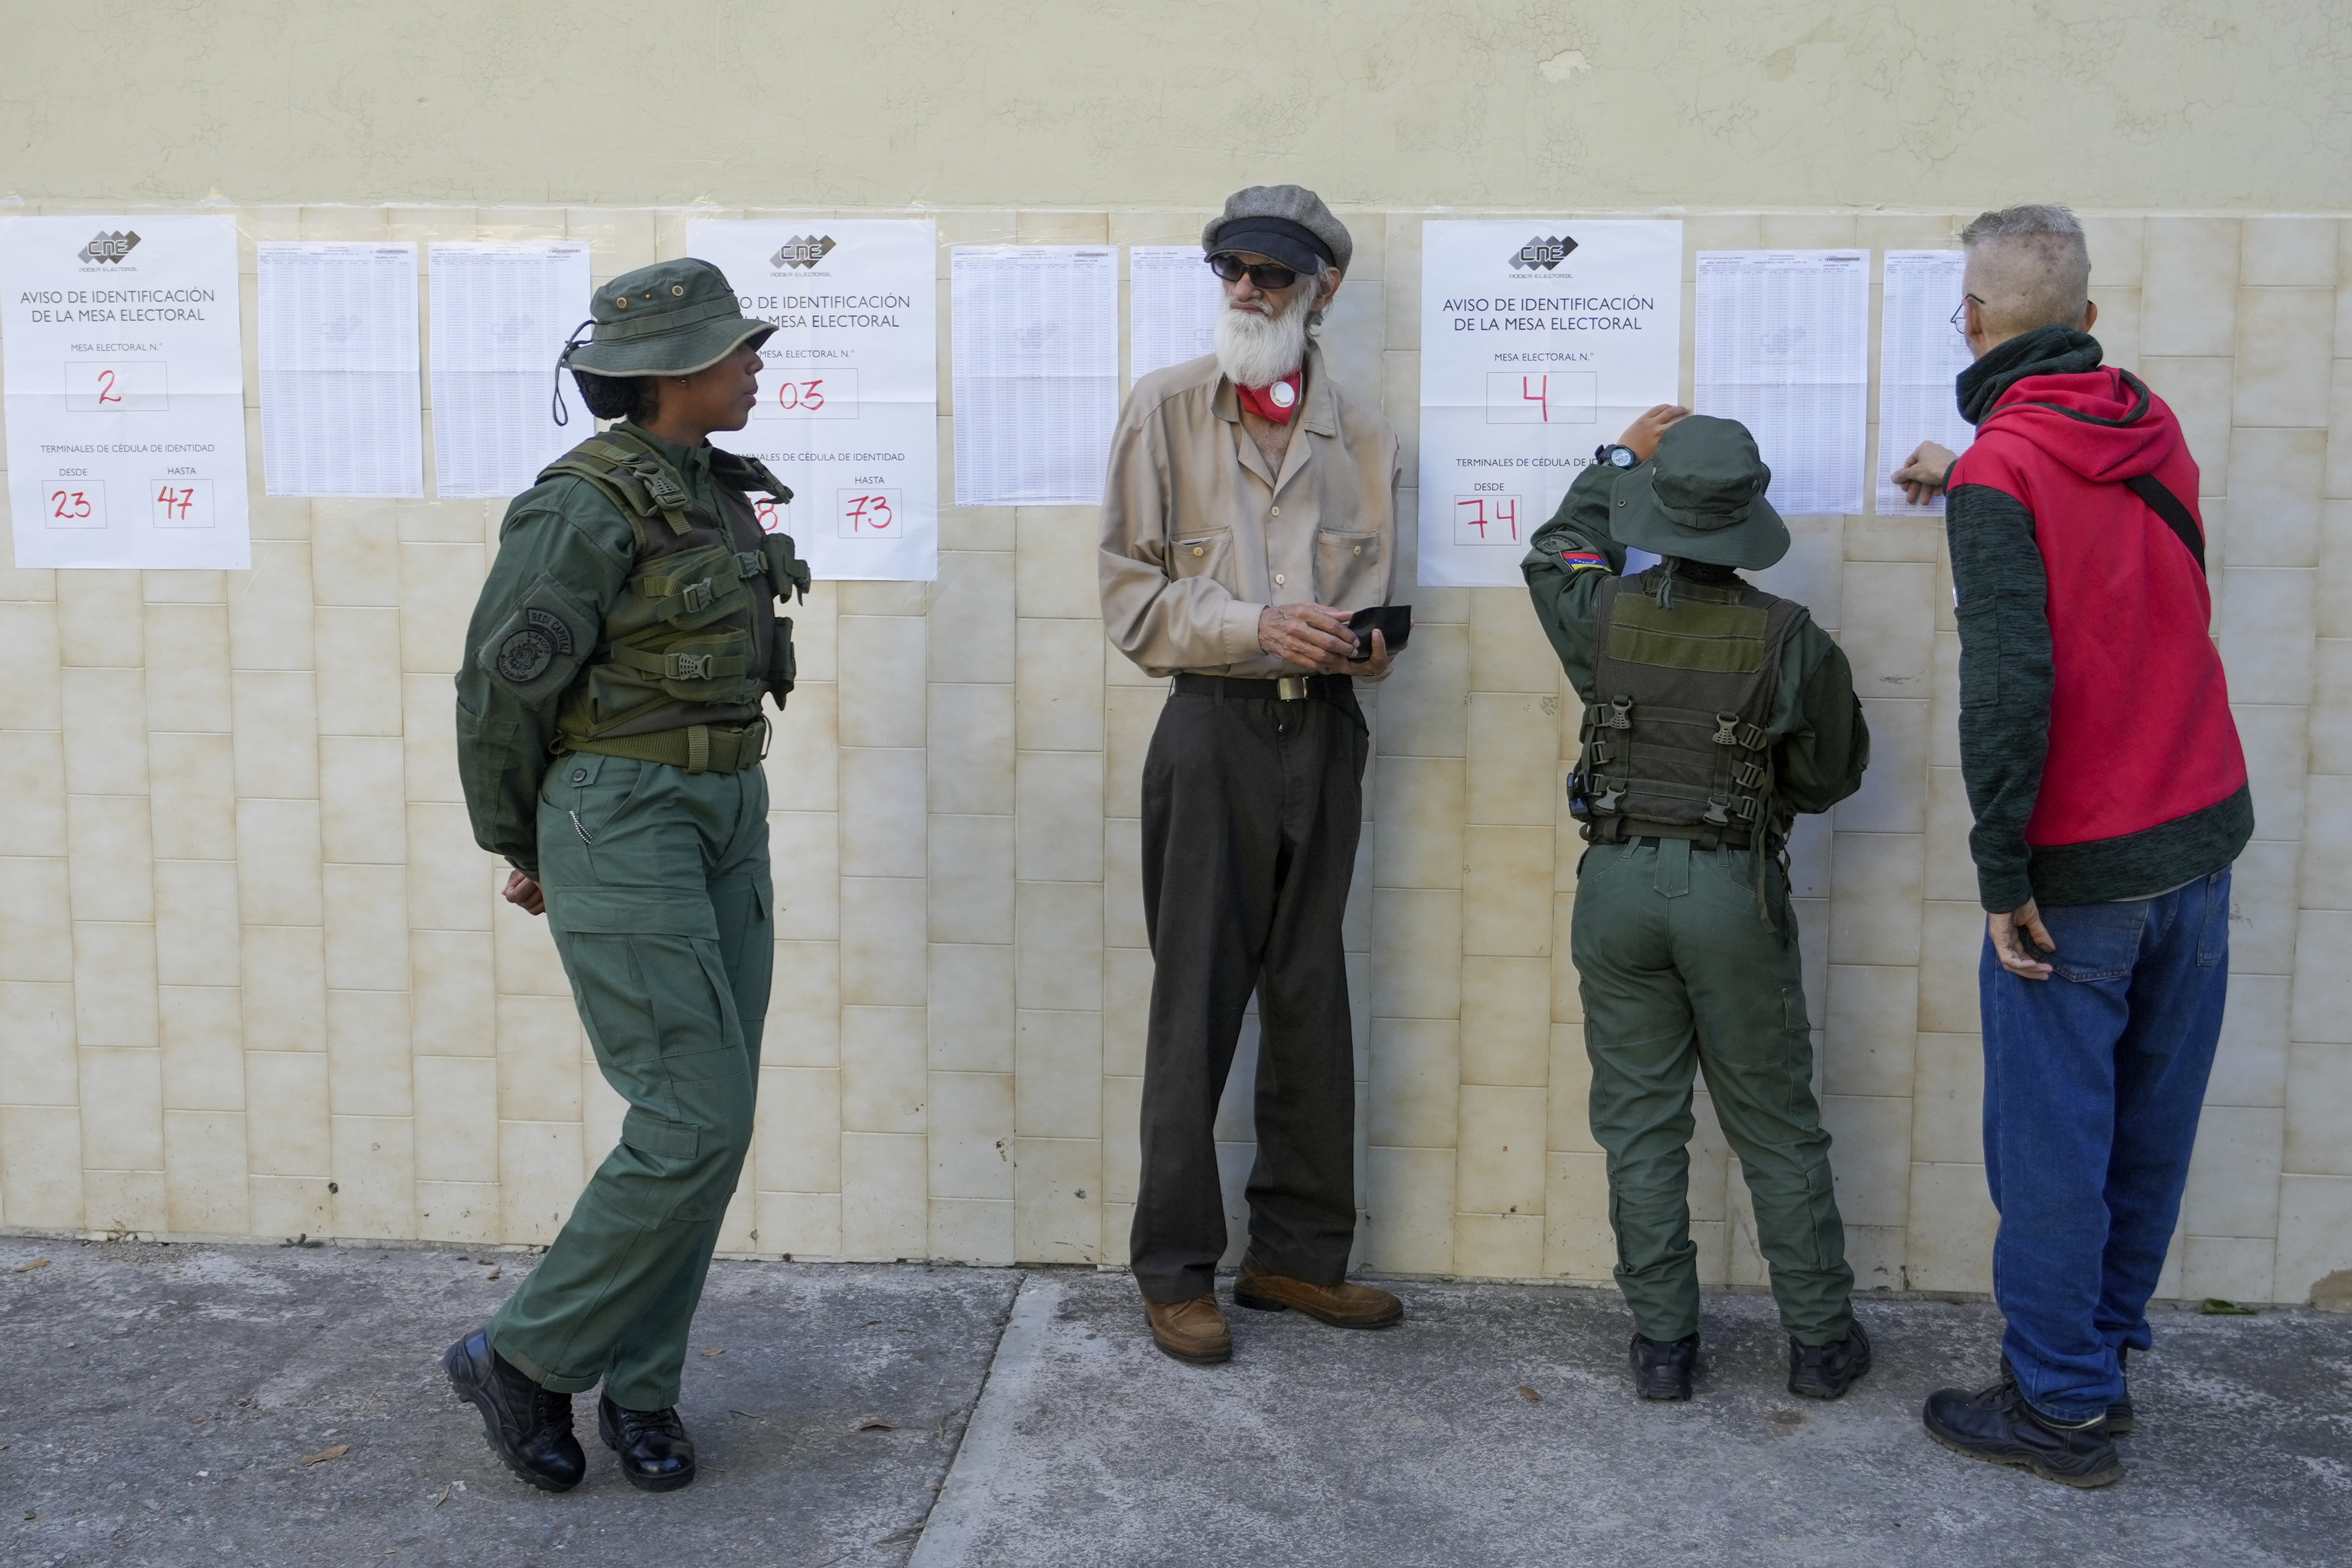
(693,641)
(1674,743)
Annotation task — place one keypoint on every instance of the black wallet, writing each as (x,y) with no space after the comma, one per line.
(1393,621)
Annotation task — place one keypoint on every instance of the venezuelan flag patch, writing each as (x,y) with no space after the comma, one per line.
(1584,560)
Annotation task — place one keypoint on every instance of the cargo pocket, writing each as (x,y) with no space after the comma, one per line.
(1347,567)
(694,1022)
(1202,555)
(648,1133)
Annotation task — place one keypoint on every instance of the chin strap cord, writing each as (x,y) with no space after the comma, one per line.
(556,409)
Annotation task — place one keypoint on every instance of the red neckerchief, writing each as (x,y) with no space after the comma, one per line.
(1269,402)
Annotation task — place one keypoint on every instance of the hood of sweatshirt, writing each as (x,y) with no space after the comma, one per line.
(2049,387)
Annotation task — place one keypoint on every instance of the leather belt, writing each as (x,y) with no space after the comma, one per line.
(1287,689)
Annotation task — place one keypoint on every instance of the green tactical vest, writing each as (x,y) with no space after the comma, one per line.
(693,641)
(1674,743)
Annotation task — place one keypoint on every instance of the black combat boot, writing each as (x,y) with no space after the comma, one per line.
(655,1453)
(1662,1368)
(530,1426)
(1826,1372)
(1997,1425)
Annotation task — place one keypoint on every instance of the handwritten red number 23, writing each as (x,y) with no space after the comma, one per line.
(68,503)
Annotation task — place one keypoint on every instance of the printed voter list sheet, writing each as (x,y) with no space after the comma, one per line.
(1784,348)
(340,396)
(500,316)
(1920,354)
(1172,300)
(1540,340)
(1036,372)
(849,400)
(125,387)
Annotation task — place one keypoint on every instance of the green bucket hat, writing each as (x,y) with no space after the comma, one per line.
(1701,498)
(673,317)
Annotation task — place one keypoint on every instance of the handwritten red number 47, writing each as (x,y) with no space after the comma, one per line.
(176,504)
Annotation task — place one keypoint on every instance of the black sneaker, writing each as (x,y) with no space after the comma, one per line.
(1826,1372)
(529,1427)
(1998,1425)
(1662,1368)
(2120,1420)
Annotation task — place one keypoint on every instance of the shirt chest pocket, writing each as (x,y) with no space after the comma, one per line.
(1349,573)
(1203,556)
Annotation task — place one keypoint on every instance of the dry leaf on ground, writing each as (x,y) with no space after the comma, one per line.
(721,1351)
(1529,1395)
(875,1424)
(28,1267)
(323,1455)
(496,1269)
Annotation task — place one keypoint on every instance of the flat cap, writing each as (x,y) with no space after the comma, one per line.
(1287,223)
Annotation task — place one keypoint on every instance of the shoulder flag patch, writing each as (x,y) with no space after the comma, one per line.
(1584,560)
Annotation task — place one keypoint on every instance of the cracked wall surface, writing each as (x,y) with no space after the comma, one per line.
(255,979)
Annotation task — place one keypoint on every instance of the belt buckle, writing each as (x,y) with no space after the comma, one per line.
(1290,689)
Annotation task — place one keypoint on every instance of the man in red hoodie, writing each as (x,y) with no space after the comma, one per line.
(2110,798)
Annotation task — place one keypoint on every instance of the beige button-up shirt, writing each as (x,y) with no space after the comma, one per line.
(1198,536)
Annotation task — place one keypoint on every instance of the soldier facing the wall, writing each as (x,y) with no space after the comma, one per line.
(609,736)
(1713,713)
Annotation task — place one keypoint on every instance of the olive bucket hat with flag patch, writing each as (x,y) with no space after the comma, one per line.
(673,317)
(1701,498)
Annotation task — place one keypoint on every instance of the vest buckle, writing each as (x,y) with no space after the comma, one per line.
(1718,812)
(1727,728)
(1620,715)
(697,597)
(1747,775)
(694,666)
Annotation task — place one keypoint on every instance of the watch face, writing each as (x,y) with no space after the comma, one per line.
(1622,457)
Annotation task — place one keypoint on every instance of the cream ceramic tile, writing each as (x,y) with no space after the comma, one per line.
(2117,328)
(2327,850)
(804,1027)
(1058,1200)
(1952,941)
(808,897)
(971,633)
(457,1124)
(1950,871)
(1948,1245)
(971,1230)
(33,782)
(2287,251)
(1059,701)
(799,1136)
(463,1211)
(123,1110)
(291,1140)
(1578,1241)
(1870,1030)
(1057,803)
(452,996)
(883,949)
(1499,1245)
(2200,392)
(124,1203)
(113,857)
(1418,838)
(1893,540)
(2115,243)
(539,1059)
(1874,915)
(2236,1269)
(369,1066)
(1130,715)
(375,1177)
(1507,891)
(538,1178)
(201,1029)
(971,1008)
(1058,957)
(362,817)
(2233,1176)
(1893,796)
(438,585)
(114,984)
(288,1206)
(1126,1010)
(970,878)
(449,879)
(881,680)
(885,1070)
(1417,933)
(99,615)
(1505,1029)
(1887,627)
(269,613)
(1408,1226)
(2276,760)
(2276,478)
(1508,650)
(803,763)
(884,812)
(2251,1066)
(2282,355)
(37,1065)
(971,750)
(1055,560)
(2331,704)
(28,586)
(1571,1091)
(2318,1125)
(1057,1074)
(204,1155)
(277,862)
(884,1212)
(354,553)
(2190,280)
(2269,623)
(1948,1100)
(28,639)
(1500,1164)
(1873,1167)
(1122,1120)
(972,1125)
(2314,1233)
(882,599)
(429,740)
(620,239)
(1425,709)
(284,980)
(105,739)
(1513,760)
(367,928)
(40,1166)
(358,688)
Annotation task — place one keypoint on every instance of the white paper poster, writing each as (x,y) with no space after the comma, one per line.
(1036,372)
(1920,354)
(848,410)
(341,400)
(1172,300)
(1784,348)
(500,316)
(1540,340)
(125,385)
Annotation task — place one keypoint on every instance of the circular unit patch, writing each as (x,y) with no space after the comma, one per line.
(525,655)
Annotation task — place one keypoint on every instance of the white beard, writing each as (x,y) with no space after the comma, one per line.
(1258,350)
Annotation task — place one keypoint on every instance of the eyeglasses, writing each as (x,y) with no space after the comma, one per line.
(1268,275)
(1960,315)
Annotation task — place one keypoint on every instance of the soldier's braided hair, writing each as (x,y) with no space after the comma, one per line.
(616,396)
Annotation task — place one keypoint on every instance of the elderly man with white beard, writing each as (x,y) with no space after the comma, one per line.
(1251,507)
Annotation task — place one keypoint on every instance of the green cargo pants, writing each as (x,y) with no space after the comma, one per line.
(659,896)
(1677,970)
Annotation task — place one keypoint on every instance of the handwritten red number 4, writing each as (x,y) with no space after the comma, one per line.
(869,513)
(69,504)
(801,397)
(1537,389)
(176,504)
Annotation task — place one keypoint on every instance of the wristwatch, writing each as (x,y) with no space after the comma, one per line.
(1616,457)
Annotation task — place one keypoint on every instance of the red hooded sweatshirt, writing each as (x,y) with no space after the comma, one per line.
(2141,779)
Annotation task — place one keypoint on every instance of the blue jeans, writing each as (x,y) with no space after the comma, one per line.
(2093,1082)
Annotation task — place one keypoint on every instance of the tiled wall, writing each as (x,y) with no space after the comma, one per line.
(255,980)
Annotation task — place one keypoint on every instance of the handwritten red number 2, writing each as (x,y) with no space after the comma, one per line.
(69,504)
(106,393)
(870,512)
(803,397)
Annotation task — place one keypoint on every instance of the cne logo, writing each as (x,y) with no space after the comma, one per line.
(106,247)
(802,252)
(1544,252)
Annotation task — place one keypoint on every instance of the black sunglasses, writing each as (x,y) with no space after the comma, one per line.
(1268,275)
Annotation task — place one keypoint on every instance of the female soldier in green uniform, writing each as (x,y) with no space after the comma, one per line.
(609,734)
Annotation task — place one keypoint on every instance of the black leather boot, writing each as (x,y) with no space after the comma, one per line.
(1997,1425)
(1662,1368)
(655,1453)
(1826,1372)
(530,1426)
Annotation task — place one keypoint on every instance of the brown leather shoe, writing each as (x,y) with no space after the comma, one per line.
(1343,1306)
(1191,1331)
